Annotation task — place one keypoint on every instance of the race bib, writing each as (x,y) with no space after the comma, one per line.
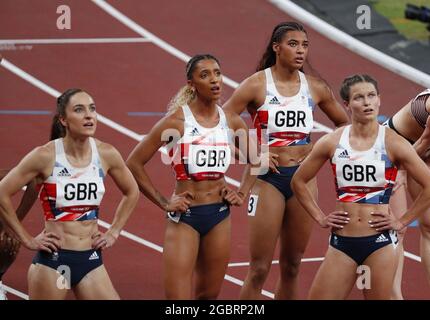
(203,158)
(252,204)
(291,119)
(360,176)
(80,191)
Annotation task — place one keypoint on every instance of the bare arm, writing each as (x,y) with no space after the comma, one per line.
(328,103)
(28,198)
(33,165)
(246,95)
(320,153)
(422,145)
(140,156)
(403,154)
(124,180)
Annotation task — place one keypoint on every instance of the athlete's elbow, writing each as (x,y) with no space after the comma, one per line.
(132,165)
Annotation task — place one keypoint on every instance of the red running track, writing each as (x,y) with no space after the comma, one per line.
(131,77)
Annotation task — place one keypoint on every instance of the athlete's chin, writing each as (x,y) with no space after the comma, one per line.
(88,133)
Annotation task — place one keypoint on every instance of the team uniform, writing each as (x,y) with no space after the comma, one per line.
(72,194)
(202,154)
(418,111)
(365,177)
(284,121)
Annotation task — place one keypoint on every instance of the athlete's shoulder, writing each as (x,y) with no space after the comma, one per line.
(255,80)
(40,157)
(316,83)
(393,140)
(331,139)
(234,120)
(45,151)
(174,119)
(108,153)
(104,147)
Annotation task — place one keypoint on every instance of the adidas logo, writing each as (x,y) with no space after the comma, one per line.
(274,101)
(55,256)
(381,238)
(94,256)
(343,154)
(195,132)
(64,173)
(222,208)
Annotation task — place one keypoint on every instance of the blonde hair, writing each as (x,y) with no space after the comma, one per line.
(187,94)
(184,96)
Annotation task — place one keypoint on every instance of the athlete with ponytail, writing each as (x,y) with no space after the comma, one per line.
(199,139)
(281,100)
(69,173)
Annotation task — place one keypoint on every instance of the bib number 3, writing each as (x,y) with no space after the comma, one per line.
(252,204)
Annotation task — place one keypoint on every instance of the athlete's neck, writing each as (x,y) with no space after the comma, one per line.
(204,108)
(283,74)
(364,130)
(77,148)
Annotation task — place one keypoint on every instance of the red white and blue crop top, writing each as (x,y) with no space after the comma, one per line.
(69,193)
(284,121)
(363,176)
(202,153)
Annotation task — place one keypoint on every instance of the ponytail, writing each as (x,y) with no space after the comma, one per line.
(187,94)
(57,129)
(184,96)
(269,57)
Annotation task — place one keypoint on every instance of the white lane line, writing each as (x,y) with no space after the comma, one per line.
(54,93)
(353,44)
(15,292)
(167,47)
(246,264)
(412,256)
(240,284)
(73,41)
(133,237)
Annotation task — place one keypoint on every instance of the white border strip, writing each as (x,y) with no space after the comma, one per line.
(353,44)
(167,47)
(73,41)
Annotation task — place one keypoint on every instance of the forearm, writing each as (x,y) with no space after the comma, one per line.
(420,205)
(11,221)
(148,189)
(123,212)
(247,181)
(27,200)
(304,196)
